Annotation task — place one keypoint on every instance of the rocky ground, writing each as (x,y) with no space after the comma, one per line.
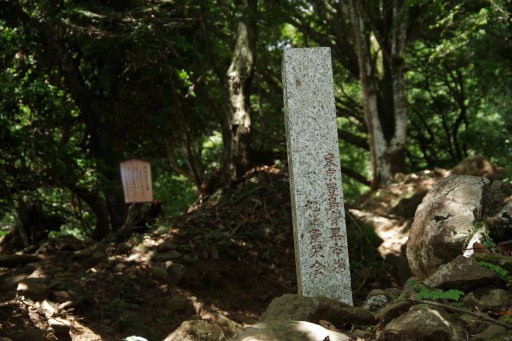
(226,260)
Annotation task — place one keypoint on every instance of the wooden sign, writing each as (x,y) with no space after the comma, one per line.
(136,177)
(321,251)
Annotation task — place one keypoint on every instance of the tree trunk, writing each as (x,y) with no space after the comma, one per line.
(384,98)
(100,209)
(237,125)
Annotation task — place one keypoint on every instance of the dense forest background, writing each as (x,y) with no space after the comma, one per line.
(194,87)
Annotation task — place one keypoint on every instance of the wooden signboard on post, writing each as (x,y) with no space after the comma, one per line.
(137,184)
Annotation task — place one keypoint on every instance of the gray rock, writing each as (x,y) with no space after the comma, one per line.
(312,309)
(422,324)
(392,310)
(471,323)
(197,330)
(376,300)
(493,332)
(443,221)
(175,271)
(36,289)
(463,274)
(166,246)
(488,300)
(170,255)
(61,327)
(289,331)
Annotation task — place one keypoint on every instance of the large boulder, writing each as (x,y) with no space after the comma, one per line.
(422,324)
(289,331)
(313,309)
(443,221)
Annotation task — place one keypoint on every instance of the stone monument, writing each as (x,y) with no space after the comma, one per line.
(318,213)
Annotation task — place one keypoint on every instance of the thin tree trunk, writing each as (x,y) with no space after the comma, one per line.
(237,125)
(387,138)
(99,207)
(369,91)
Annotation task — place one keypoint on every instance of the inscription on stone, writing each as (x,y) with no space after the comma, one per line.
(318,213)
(137,184)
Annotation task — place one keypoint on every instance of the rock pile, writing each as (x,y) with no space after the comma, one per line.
(451,296)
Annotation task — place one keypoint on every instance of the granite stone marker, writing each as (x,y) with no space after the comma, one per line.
(136,177)
(318,213)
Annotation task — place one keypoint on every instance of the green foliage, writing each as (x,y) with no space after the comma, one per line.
(422,292)
(174,191)
(436,294)
(86,85)
(502,273)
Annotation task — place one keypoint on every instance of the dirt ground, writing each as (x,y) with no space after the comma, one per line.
(224,261)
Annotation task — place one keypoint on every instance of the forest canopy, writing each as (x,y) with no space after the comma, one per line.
(194,87)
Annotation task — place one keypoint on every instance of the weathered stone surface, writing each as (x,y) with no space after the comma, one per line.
(197,330)
(477,166)
(321,251)
(289,331)
(463,274)
(166,246)
(312,309)
(471,323)
(392,310)
(170,255)
(500,225)
(494,333)
(421,324)
(375,300)
(488,300)
(61,327)
(33,288)
(175,271)
(443,221)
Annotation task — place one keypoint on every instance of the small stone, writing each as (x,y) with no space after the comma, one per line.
(179,304)
(33,288)
(166,246)
(175,271)
(159,272)
(61,328)
(376,300)
(60,296)
(49,308)
(492,332)
(171,255)
(197,330)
